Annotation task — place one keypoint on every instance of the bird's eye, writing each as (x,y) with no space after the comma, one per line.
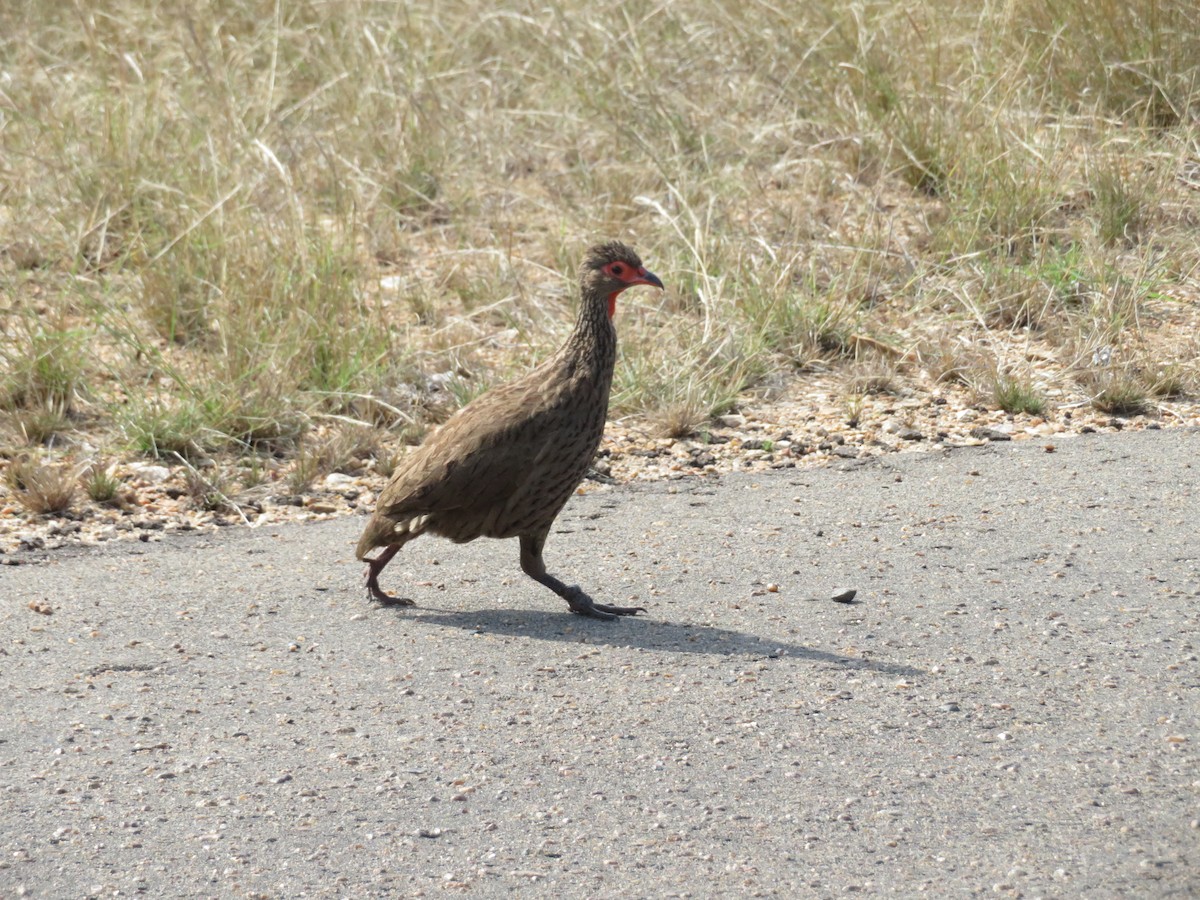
(618,269)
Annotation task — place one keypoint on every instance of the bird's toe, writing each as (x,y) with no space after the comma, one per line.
(583,605)
(388,600)
(618,610)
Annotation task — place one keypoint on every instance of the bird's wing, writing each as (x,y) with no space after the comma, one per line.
(476,461)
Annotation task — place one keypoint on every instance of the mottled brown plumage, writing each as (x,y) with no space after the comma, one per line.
(505,465)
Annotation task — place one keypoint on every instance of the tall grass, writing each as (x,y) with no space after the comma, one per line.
(202,204)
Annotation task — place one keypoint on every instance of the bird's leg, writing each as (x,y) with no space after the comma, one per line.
(374,567)
(535,568)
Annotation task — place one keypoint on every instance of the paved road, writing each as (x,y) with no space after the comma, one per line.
(1011,707)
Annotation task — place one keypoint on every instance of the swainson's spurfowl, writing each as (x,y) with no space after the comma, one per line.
(506,464)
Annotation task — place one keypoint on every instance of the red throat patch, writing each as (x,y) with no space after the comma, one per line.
(612,303)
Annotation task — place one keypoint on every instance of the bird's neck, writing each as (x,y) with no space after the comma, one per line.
(594,339)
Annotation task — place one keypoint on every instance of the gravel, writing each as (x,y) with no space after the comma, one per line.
(810,431)
(1008,707)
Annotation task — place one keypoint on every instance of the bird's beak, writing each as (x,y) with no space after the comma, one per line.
(647,277)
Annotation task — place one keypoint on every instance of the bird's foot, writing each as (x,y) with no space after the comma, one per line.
(376,594)
(388,600)
(584,605)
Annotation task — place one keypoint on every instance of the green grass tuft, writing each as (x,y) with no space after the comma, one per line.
(100,483)
(1017,395)
(1118,392)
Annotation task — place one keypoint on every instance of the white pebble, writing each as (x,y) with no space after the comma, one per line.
(151,473)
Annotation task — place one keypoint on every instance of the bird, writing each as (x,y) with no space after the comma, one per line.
(505,464)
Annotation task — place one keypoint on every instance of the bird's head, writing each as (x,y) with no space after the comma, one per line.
(610,268)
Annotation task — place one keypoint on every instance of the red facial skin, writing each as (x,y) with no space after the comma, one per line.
(631,276)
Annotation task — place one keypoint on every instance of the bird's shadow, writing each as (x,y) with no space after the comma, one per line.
(642,632)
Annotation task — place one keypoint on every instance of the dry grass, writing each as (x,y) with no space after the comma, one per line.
(40,487)
(222,225)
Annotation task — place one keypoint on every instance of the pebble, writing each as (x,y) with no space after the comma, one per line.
(150,473)
(990,434)
(844,596)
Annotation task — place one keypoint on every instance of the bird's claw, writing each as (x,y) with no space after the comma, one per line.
(583,605)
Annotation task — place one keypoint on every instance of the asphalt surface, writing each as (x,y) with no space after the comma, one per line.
(1010,706)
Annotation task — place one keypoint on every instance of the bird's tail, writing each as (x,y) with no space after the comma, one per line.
(378,533)
(384,532)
